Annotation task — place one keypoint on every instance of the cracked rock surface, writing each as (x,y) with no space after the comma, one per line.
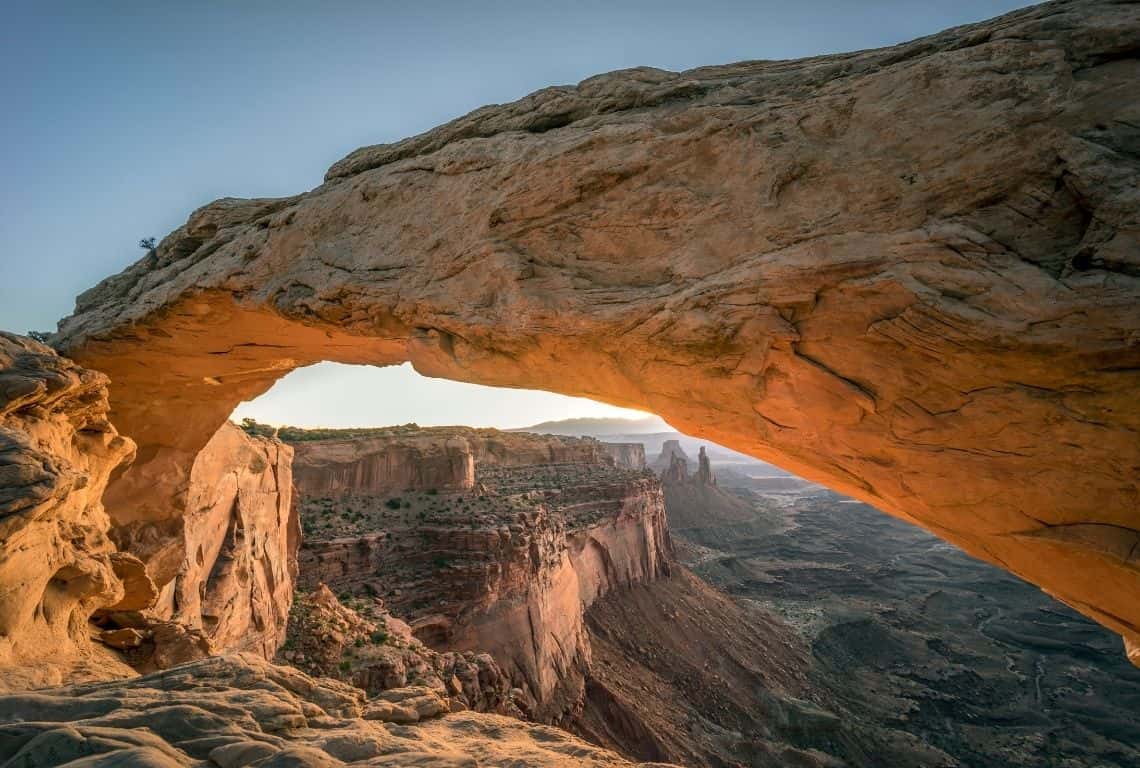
(240,710)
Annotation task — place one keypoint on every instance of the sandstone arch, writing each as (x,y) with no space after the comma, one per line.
(911,274)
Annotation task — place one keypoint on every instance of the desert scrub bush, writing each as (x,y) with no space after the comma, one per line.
(394,503)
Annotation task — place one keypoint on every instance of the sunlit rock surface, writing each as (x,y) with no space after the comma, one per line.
(57,563)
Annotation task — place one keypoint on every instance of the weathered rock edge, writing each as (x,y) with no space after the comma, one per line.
(242,710)
(911,274)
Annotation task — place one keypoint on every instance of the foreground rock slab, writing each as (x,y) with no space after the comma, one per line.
(910,274)
(240,710)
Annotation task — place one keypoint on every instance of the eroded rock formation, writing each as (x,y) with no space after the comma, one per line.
(382,465)
(507,567)
(241,710)
(363,644)
(408,457)
(57,563)
(235,581)
(696,501)
(627,455)
(909,273)
(671,453)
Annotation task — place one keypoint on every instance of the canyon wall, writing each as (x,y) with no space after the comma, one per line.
(909,274)
(392,459)
(505,565)
(532,617)
(626,455)
(382,465)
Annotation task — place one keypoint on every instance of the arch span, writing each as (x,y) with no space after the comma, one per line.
(910,274)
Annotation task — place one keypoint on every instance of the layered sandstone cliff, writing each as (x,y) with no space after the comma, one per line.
(506,567)
(382,464)
(382,460)
(626,455)
(907,273)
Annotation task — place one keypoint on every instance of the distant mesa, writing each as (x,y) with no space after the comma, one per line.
(599,427)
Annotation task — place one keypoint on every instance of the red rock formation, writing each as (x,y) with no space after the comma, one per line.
(909,274)
(507,567)
(677,473)
(531,618)
(382,465)
(225,572)
(390,459)
(694,501)
(240,710)
(241,540)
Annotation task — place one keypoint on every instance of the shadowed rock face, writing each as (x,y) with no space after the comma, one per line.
(910,274)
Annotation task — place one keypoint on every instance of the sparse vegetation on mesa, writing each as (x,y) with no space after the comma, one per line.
(581,494)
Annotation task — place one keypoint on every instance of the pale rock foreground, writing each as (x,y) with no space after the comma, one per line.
(911,274)
(230,711)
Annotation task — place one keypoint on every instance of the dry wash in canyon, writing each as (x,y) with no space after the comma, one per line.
(909,274)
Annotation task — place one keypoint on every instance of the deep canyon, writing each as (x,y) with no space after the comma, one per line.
(907,274)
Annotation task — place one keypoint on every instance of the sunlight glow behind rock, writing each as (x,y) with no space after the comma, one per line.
(335,395)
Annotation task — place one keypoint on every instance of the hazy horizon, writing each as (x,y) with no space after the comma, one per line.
(123,117)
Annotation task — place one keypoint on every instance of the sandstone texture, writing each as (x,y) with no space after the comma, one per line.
(241,535)
(57,563)
(240,710)
(221,578)
(910,274)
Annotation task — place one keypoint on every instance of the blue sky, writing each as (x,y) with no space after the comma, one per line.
(119,118)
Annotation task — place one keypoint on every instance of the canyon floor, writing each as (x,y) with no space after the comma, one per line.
(909,633)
